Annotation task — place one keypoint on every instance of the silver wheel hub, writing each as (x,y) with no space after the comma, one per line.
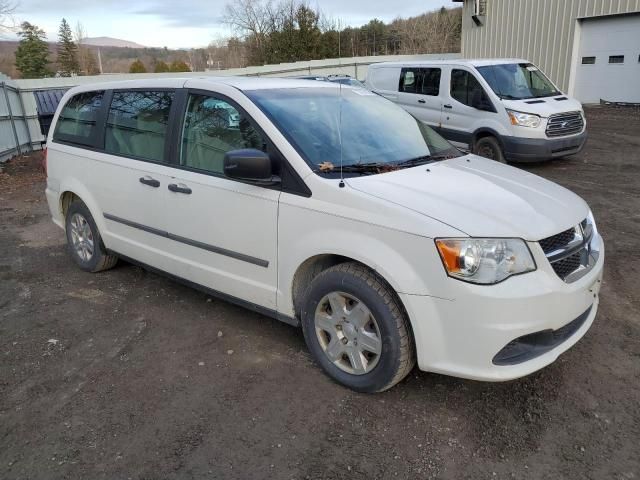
(81,237)
(348,333)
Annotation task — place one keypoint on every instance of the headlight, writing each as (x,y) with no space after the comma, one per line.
(485,260)
(523,119)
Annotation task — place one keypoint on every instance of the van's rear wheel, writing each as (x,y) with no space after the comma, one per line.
(489,147)
(84,240)
(356,329)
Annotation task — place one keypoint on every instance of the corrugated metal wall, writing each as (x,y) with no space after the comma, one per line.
(541,31)
(15,136)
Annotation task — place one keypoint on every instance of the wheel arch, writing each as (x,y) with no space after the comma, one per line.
(486,132)
(74,190)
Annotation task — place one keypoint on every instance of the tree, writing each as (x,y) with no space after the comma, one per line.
(86,58)
(137,67)
(7,23)
(161,67)
(179,66)
(67,51)
(32,52)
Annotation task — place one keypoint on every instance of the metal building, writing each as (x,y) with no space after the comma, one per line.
(589,48)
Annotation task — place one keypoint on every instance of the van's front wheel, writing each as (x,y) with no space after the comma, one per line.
(356,329)
(489,147)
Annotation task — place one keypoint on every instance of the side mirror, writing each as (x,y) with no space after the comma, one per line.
(250,166)
(481,102)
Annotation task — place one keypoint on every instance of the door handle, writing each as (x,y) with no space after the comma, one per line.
(422,100)
(181,188)
(447,106)
(150,181)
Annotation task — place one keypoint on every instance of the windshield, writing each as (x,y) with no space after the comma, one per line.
(374,132)
(517,81)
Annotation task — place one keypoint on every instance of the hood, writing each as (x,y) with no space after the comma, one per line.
(545,106)
(480,197)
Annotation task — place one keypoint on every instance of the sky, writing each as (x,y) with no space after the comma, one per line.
(186,23)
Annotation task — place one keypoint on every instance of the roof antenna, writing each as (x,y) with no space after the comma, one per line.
(341,184)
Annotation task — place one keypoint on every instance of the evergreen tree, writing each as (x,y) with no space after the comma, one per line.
(179,66)
(32,52)
(67,51)
(161,67)
(137,67)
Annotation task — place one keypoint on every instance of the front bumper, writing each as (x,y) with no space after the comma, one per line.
(463,336)
(519,149)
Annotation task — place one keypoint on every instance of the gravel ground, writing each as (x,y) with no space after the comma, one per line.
(125,374)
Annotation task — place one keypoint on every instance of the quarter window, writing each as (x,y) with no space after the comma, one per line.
(77,121)
(213,127)
(466,89)
(137,124)
(424,81)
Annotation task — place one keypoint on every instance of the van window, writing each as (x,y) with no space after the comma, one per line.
(408,80)
(137,124)
(78,119)
(466,89)
(424,81)
(213,127)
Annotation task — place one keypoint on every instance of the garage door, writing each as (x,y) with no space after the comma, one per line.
(608,65)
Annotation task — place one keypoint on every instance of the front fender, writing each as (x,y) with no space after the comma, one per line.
(408,262)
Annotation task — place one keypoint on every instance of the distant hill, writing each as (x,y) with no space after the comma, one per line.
(111,42)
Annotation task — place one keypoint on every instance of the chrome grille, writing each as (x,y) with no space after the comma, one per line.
(568,251)
(557,241)
(563,124)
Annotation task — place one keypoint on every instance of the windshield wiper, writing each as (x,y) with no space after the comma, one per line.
(373,167)
(425,159)
(416,161)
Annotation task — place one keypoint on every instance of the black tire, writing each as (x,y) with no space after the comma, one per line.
(489,147)
(99,259)
(397,356)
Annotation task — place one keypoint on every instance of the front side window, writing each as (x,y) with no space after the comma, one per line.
(137,124)
(517,81)
(363,131)
(77,121)
(466,89)
(213,127)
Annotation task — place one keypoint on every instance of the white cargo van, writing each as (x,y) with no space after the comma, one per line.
(331,208)
(503,109)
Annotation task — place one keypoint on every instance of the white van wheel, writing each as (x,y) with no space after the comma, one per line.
(489,147)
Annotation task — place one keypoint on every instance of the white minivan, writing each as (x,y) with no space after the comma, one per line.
(333,209)
(503,109)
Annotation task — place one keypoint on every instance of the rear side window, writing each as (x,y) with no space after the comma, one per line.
(408,80)
(137,124)
(466,89)
(78,120)
(423,81)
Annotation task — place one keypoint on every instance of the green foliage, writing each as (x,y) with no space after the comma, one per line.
(292,31)
(32,52)
(179,66)
(67,51)
(137,67)
(161,67)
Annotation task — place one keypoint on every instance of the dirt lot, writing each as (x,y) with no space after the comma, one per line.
(125,374)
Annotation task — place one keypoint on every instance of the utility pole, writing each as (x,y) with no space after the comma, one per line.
(99,61)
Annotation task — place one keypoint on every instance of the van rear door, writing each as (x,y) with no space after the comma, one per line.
(418,93)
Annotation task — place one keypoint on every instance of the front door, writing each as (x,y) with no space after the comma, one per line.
(465,105)
(225,231)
